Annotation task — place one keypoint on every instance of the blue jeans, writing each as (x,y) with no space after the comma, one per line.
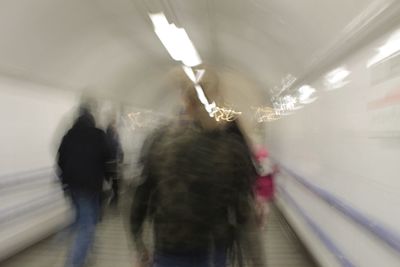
(87,212)
(200,259)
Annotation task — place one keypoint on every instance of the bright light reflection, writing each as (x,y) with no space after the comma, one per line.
(309,100)
(285,83)
(336,78)
(199,75)
(226,114)
(200,94)
(266,114)
(289,102)
(175,40)
(305,92)
(195,76)
(211,108)
(337,75)
(219,113)
(389,49)
(189,72)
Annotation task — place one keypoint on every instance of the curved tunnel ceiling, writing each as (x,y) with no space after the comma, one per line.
(111,46)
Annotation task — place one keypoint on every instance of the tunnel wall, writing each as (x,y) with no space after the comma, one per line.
(32,116)
(339,155)
(32,204)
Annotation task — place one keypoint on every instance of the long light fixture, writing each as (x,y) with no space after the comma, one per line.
(386,51)
(194,75)
(305,92)
(175,40)
(181,48)
(190,73)
(336,78)
(202,97)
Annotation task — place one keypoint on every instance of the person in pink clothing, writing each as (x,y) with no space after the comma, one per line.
(264,187)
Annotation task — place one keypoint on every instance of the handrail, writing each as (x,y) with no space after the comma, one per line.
(388,236)
(24,173)
(32,206)
(24,177)
(325,239)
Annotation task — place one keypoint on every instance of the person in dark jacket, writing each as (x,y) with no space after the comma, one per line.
(82,158)
(197,192)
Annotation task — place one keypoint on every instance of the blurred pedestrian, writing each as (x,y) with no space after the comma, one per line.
(197,190)
(82,158)
(264,186)
(117,157)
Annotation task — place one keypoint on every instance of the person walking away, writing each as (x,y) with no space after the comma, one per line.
(82,158)
(117,157)
(264,187)
(197,192)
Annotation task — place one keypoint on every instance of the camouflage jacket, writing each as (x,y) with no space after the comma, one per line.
(196,190)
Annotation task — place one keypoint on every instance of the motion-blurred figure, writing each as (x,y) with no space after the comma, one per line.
(117,157)
(264,186)
(197,190)
(82,158)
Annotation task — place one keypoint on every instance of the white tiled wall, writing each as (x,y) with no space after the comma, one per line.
(348,142)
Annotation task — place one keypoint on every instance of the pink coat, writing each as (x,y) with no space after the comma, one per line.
(265,188)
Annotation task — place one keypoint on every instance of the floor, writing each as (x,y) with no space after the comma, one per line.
(113,249)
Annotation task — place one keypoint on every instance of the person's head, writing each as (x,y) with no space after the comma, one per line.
(85,116)
(87,105)
(194,108)
(84,110)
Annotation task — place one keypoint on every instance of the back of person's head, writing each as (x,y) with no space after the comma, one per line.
(212,88)
(85,116)
(88,105)
(84,110)
(195,109)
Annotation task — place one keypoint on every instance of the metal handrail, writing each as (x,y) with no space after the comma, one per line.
(384,233)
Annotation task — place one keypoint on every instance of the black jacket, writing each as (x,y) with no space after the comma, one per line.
(83,155)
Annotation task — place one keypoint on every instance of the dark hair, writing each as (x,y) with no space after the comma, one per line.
(85,117)
(84,110)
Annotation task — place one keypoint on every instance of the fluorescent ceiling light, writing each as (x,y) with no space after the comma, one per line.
(159,20)
(200,94)
(309,100)
(305,92)
(389,49)
(194,75)
(199,75)
(288,102)
(211,108)
(189,72)
(188,53)
(337,76)
(175,40)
